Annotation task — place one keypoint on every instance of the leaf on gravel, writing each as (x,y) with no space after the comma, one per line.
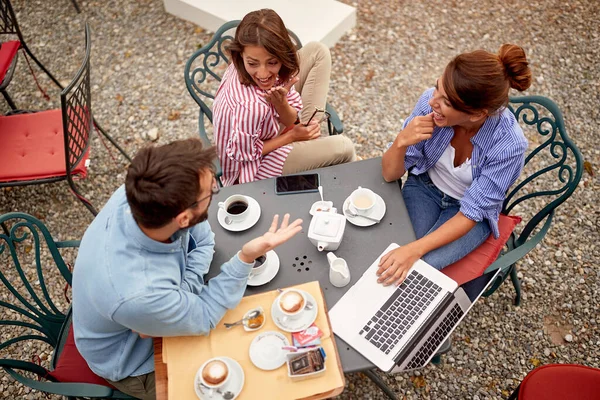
(467,339)
(198,30)
(174,115)
(588,168)
(536,363)
(28,248)
(119,98)
(505,393)
(418,381)
(370,75)
(128,54)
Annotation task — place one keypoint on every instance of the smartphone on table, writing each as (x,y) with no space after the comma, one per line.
(302,183)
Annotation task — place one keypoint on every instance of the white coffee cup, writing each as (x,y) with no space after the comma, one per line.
(362,200)
(291,302)
(259,267)
(236,207)
(214,373)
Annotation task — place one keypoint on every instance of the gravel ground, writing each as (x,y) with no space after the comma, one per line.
(396,51)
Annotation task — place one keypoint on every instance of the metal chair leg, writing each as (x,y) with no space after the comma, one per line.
(111,140)
(379,382)
(34,58)
(85,201)
(515,394)
(76,6)
(516,283)
(11,104)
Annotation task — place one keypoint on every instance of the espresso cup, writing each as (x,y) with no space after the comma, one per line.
(362,200)
(260,264)
(214,373)
(236,207)
(291,302)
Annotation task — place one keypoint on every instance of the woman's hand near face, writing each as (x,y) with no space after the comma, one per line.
(417,130)
(301,133)
(277,95)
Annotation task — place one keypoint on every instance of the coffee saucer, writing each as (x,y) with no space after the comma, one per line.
(377,212)
(234,385)
(247,223)
(299,323)
(269,272)
(266,350)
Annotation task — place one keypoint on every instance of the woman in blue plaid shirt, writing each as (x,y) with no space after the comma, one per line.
(463,149)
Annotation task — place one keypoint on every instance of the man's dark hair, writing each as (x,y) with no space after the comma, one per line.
(163,181)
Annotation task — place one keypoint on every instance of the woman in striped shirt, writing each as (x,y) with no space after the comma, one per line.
(258,114)
(463,149)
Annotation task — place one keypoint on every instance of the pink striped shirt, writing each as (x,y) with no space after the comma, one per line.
(242,121)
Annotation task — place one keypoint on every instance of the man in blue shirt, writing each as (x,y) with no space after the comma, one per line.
(141,265)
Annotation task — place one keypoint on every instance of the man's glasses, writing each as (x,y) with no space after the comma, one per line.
(322,115)
(215,190)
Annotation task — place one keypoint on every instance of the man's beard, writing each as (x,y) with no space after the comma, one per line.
(199,219)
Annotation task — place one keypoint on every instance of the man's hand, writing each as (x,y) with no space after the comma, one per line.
(394,266)
(417,130)
(277,95)
(271,239)
(301,133)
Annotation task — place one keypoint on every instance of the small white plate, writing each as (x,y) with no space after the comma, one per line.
(247,223)
(268,273)
(235,383)
(377,212)
(266,350)
(299,323)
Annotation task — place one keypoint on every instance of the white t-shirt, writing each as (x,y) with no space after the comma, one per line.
(453,181)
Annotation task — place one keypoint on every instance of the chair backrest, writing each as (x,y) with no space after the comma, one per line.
(8,20)
(32,269)
(76,105)
(553,167)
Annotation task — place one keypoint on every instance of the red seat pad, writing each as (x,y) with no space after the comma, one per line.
(474,264)
(71,367)
(8,51)
(561,382)
(32,147)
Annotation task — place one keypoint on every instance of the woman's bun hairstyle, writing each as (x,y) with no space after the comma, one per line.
(516,66)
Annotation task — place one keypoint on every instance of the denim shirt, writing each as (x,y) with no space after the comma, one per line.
(497,160)
(124,282)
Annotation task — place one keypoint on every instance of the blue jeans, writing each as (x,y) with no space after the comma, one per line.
(429,208)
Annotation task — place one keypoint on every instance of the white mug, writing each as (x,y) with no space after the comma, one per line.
(233,204)
(362,200)
(214,373)
(259,269)
(301,303)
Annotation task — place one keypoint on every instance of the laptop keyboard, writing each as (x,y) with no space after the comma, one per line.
(447,324)
(400,311)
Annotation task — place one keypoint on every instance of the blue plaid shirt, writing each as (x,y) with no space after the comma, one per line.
(497,160)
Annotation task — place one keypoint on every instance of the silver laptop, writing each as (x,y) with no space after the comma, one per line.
(400,328)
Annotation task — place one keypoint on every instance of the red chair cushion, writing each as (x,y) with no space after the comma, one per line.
(474,263)
(561,382)
(32,147)
(71,367)
(8,51)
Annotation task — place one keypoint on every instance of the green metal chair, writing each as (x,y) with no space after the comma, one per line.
(552,172)
(32,321)
(203,72)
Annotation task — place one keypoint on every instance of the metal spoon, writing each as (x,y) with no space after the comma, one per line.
(228,220)
(227,395)
(352,214)
(321,192)
(252,315)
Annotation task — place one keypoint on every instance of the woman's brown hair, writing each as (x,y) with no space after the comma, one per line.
(481,80)
(163,181)
(264,28)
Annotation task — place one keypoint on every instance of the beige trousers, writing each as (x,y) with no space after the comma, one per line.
(313,84)
(143,386)
(322,152)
